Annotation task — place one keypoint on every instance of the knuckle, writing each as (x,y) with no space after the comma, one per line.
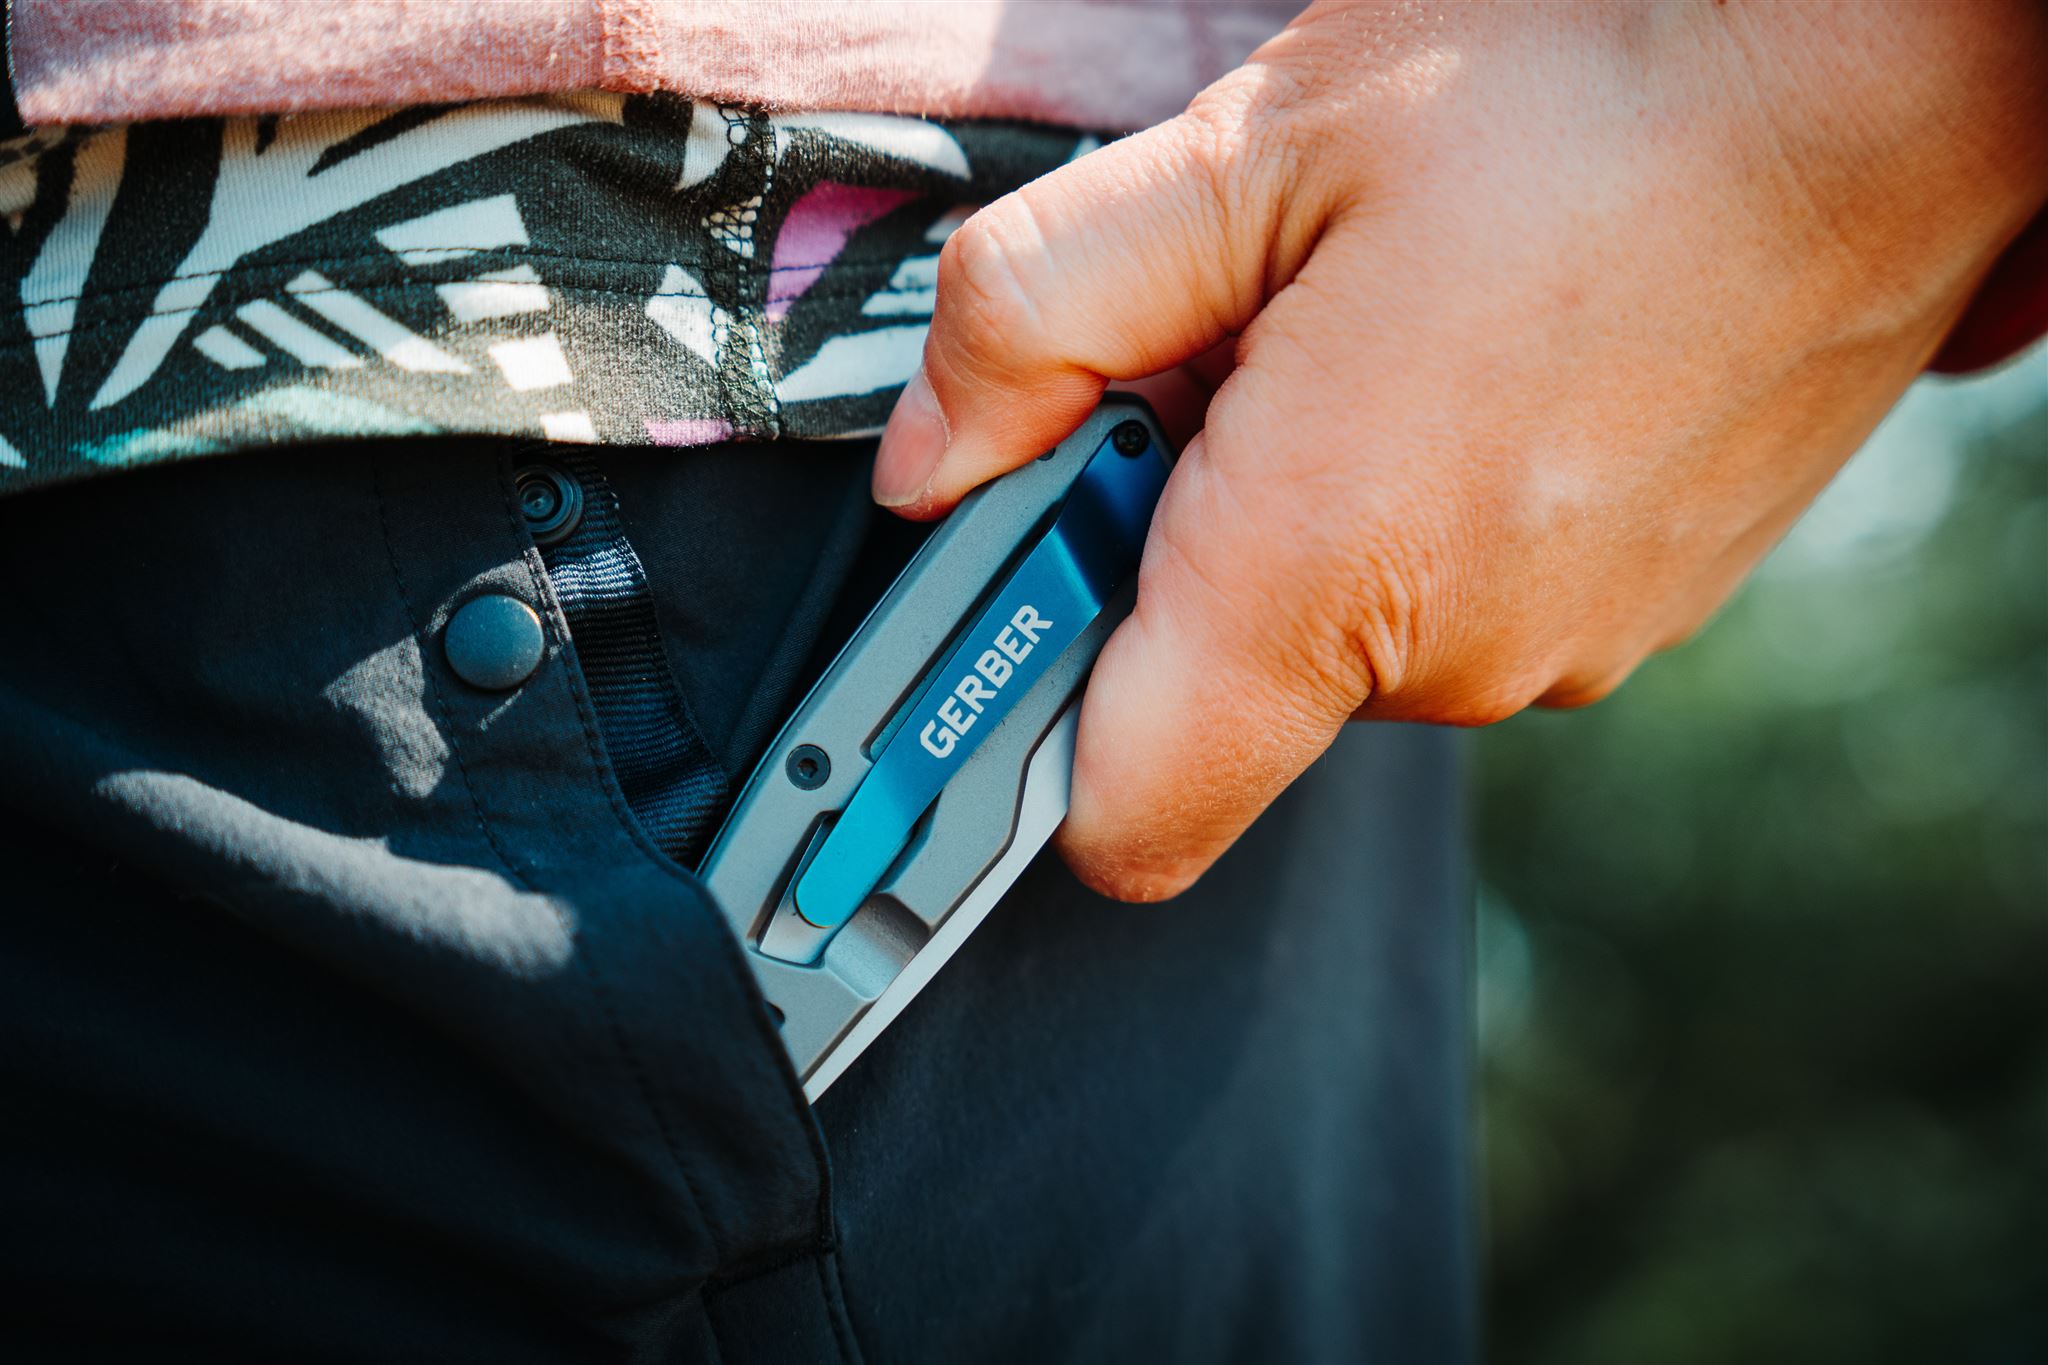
(1339,667)
(1258,147)
(1581,689)
(1222,128)
(1373,632)
(1260,97)
(982,283)
(1483,707)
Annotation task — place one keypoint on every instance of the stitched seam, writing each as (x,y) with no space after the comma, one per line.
(620,1040)
(490,835)
(767,1262)
(773,1263)
(501,250)
(756,274)
(440,700)
(842,1326)
(843,1303)
(728,945)
(497,850)
(483,825)
(839,291)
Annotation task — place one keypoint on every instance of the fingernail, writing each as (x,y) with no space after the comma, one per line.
(912,445)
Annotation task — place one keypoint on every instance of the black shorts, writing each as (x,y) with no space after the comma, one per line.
(349,1011)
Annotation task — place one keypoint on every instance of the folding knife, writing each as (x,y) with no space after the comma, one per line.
(932,761)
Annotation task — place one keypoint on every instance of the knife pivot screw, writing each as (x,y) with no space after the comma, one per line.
(1130,438)
(808,766)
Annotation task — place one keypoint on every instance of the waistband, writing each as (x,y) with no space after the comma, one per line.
(586,268)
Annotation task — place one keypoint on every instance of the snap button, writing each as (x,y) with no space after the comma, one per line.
(494,642)
(551,502)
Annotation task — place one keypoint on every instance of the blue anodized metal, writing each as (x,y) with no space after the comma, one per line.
(1065,580)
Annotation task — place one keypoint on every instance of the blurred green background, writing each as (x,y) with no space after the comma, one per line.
(1763,944)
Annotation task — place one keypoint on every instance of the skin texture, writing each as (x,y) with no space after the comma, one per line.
(1547,320)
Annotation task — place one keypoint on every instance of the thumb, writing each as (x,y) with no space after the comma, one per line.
(1119,265)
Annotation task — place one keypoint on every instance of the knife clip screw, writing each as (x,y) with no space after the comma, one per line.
(1130,438)
(808,766)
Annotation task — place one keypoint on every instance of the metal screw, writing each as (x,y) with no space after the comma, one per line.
(1130,438)
(808,767)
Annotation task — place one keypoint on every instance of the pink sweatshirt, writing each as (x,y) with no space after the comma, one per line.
(1091,63)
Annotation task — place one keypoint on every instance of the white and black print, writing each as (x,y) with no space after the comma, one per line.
(581,268)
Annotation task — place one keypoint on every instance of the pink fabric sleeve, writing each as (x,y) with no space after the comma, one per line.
(2010,311)
(1092,63)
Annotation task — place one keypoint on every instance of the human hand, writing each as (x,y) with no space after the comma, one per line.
(1549,320)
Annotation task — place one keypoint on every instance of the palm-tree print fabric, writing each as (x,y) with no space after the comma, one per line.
(579,268)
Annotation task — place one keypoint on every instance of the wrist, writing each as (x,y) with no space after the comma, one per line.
(1909,143)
